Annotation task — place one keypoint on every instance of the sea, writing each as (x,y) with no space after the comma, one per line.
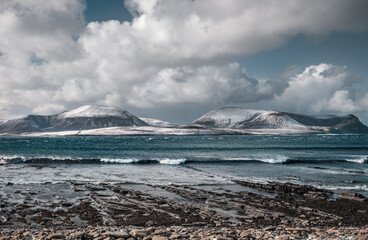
(335,162)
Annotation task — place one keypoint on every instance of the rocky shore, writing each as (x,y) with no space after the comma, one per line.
(175,232)
(242,210)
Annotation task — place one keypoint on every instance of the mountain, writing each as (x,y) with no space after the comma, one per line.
(85,117)
(242,118)
(157,123)
(104,120)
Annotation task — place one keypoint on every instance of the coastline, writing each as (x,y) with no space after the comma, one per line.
(242,210)
(176,131)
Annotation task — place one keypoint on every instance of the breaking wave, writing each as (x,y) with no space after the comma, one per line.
(278,159)
(358,159)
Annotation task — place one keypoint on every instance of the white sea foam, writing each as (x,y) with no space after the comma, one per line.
(273,159)
(277,159)
(9,157)
(170,161)
(4,159)
(116,160)
(167,161)
(358,159)
(362,187)
(238,159)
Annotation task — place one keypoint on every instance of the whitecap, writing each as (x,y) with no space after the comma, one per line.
(358,159)
(276,159)
(362,187)
(116,160)
(170,161)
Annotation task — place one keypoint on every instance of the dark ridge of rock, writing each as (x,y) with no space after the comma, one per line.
(289,189)
(353,196)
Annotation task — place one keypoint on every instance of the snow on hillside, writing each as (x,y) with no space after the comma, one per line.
(228,117)
(271,119)
(94,111)
(241,118)
(157,123)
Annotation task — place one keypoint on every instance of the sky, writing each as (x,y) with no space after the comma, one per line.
(177,60)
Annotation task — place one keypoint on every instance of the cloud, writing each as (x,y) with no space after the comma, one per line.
(322,88)
(172,54)
(206,84)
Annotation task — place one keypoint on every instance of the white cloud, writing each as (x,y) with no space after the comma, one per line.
(172,53)
(321,88)
(206,85)
(342,102)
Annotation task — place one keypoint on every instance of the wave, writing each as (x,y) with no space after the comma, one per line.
(358,159)
(362,187)
(167,161)
(277,159)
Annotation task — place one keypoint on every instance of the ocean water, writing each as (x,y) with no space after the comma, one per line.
(336,162)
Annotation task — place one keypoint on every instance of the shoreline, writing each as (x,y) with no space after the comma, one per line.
(245,210)
(179,232)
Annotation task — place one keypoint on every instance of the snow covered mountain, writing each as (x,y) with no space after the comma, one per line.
(85,117)
(157,123)
(104,120)
(241,118)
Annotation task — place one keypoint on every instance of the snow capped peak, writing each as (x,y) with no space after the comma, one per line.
(93,111)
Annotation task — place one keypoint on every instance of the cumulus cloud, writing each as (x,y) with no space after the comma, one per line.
(322,88)
(206,84)
(171,54)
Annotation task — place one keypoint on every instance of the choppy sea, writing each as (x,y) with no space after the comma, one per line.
(335,162)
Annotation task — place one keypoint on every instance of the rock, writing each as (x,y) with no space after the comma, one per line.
(118,234)
(353,196)
(77,235)
(269,228)
(100,238)
(55,236)
(285,237)
(175,236)
(294,229)
(159,238)
(224,238)
(158,231)
(139,233)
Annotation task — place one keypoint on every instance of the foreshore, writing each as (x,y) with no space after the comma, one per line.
(242,210)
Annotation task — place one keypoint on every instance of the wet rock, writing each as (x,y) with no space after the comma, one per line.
(156,237)
(118,234)
(224,238)
(353,196)
(55,236)
(288,189)
(77,235)
(139,233)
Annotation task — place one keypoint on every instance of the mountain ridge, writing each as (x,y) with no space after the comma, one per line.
(243,118)
(231,120)
(81,118)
